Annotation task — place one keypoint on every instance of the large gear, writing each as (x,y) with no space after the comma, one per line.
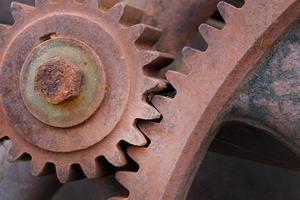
(233,52)
(73,83)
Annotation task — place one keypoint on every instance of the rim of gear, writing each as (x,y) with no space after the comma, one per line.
(249,33)
(65,117)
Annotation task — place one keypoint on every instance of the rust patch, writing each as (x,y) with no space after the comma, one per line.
(57,80)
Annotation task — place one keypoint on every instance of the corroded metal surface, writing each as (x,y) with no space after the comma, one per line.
(57,80)
(90,82)
(189,120)
(178,19)
(179,147)
(122,46)
(270,96)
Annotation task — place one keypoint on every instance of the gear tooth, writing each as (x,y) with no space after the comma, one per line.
(14,153)
(149,112)
(191,56)
(38,167)
(125,14)
(159,101)
(155,59)
(227,10)
(126,178)
(209,33)
(189,51)
(63,172)
(19,11)
(144,35)
(135,137)
(154,84)
(116,157)
(134,152)
(175,78)
(149,129)
(41,3)
(91,169)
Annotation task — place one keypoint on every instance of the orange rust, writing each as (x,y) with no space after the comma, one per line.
(57,80)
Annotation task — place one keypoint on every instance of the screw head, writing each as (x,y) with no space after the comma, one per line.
(57,80)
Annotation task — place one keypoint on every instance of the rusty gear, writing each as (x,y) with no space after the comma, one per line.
(111,51)
(182,138)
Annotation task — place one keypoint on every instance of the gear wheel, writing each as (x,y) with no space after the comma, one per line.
(249,33)
(73,83)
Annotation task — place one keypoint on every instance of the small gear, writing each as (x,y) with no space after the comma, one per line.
(180,141)
(73,83)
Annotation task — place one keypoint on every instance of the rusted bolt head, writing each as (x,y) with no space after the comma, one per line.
(57,80)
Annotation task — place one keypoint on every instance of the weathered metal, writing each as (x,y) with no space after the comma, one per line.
(180,147)
(179,21)
(190,120)
(101,43)
(88,76)
(57,80)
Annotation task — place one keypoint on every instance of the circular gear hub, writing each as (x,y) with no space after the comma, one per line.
(73,83)
(51,82)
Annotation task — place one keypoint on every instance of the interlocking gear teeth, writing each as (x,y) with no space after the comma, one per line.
(248,34)
(154,85)
(116,156)
(176,78)
(135,39)
(149,113)
(160,102)
(154,58)
(136,137)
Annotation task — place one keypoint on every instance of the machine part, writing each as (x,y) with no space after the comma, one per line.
(110,49)
(179,20)
(249,34)
(45,93)
(57,80)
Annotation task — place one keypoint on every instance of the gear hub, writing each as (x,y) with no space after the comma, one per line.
(73,83)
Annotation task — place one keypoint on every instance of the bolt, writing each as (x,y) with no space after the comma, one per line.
(57,80)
